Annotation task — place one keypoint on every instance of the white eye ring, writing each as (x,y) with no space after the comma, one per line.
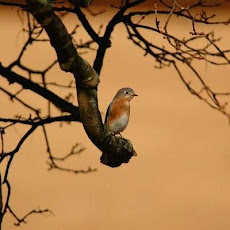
(126,92)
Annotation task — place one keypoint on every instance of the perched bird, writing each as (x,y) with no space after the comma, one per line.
(118,112)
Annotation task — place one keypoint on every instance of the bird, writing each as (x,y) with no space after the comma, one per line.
(118,112)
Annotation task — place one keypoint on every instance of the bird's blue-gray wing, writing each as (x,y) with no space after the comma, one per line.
(108,112)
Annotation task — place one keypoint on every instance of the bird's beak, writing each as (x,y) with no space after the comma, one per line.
(135,94)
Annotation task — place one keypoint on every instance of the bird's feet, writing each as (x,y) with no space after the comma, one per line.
(114,134)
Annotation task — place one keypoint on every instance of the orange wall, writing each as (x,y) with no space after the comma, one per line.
(178,181)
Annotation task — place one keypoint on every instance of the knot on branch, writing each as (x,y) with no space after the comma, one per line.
(90,82)
(86,76)
(67,65)
(121,151)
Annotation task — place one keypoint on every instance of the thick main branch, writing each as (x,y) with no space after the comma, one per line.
(115,150)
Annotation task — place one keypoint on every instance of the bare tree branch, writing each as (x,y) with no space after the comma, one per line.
(23,219)
(105,39)
(86,81)
(13,77)
(183,50)
(177,52)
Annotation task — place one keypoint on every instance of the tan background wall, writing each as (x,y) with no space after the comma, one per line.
(180,178)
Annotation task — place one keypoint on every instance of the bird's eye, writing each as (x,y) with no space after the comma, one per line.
(126,92)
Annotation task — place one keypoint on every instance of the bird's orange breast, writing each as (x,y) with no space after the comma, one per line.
(118,116)
(119,108)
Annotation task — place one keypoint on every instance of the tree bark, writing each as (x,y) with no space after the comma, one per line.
(115,150)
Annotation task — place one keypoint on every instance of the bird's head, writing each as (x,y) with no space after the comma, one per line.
(125,93)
